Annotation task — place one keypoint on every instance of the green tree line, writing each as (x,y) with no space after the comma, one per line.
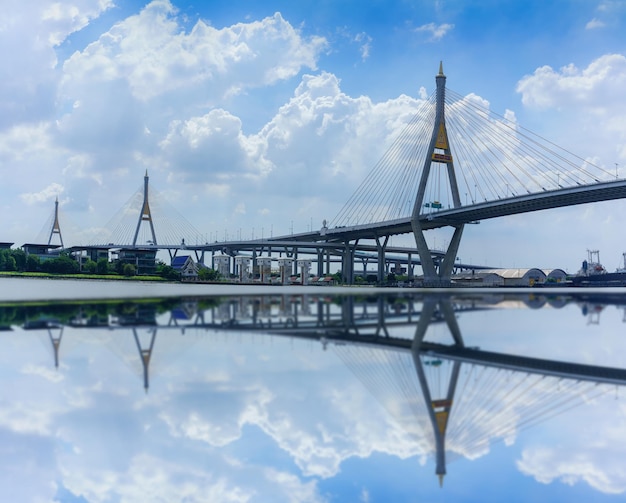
(16,260)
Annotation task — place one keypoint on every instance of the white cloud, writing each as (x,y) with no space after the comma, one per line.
(329,137)
(436,31)
(147,93)
(600,86)
(28,35)
(64,19)
(45,372)
(213,145)
(594,24)
(150,52)
(366,44)
(293,488)
(591,103)
(582,455)
(51,192)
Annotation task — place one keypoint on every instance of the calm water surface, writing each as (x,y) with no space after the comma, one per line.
(315,397)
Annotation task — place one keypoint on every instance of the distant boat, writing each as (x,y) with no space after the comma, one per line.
(593,273)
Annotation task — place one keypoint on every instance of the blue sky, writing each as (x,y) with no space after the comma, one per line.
(230,105)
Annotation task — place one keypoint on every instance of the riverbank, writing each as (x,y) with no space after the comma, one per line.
(30,289)
(33,289)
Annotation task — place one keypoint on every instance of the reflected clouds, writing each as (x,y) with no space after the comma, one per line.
(249,398)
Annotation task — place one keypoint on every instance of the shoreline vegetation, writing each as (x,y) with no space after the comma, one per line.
(84,276)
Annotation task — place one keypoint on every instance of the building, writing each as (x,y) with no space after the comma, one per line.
(186,266)
(519,276)
(43,251)
(84,253)
(555,275)
(144,259)
(478,278)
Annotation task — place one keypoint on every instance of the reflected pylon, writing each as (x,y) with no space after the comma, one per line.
(438,408)
(145,355)
(56,344)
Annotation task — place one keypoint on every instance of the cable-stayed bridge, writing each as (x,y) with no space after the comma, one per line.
(455,163)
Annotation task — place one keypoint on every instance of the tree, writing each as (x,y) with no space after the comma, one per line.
(90,266)
(128,270)
(11,265)
(20,258)
(60,265)
(167,271)
(208,274)
(102,266)
(33,264)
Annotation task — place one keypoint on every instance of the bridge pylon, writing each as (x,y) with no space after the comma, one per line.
(145,354)
(145,215)
(438,153)
(438,408)
(56,226)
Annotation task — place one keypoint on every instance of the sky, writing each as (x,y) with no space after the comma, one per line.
(261,118)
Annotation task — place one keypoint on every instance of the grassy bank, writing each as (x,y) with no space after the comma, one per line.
(44,275)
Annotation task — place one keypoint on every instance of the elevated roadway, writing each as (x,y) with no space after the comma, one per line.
(548,199)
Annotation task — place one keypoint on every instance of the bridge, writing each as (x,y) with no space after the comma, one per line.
(455,163)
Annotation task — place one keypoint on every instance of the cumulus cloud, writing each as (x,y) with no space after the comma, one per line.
(150,94)
(594,97)
(329,136)
(28,37)
(213,146)
(151,53)
(321,135)
(602,84)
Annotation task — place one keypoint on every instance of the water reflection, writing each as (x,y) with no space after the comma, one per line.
(455,375)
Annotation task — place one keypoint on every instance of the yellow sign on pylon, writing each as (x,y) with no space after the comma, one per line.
(442,138)
(442,421)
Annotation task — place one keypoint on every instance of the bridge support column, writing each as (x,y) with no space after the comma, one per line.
(381,248)
(439,154)
(347,263)
(410,270)
(320,263)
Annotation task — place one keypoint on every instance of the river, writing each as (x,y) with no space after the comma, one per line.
(166,392)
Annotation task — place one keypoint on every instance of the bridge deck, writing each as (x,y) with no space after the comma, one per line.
(602,191)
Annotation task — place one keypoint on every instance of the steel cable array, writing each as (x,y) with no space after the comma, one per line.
(388,191)
(490,404)
(494,158)
(170,227)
